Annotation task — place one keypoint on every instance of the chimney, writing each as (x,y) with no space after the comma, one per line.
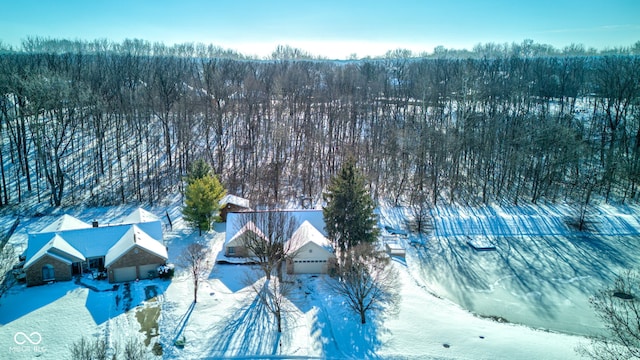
(94,223)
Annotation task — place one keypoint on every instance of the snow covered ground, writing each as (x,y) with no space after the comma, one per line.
(542,272)
(534,280)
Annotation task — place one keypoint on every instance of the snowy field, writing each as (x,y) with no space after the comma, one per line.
(539,281)
(542,272)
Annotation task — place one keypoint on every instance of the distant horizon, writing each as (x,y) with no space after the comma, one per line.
(634,47)
(331,29)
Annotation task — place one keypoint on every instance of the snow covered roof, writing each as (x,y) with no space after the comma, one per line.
(307,233)
(249,226)
(235,221)
(134,237)
(140,215)
(65,222)
(91,242)
(77,241)
(235,200)
(58,248)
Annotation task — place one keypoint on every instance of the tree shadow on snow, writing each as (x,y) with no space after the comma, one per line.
(543,273)
(447,261)
(181,323)
(337,329)
(352,339)
(250,330)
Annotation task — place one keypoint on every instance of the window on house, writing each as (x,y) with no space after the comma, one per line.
(48,273)
(231,250)
(96,263)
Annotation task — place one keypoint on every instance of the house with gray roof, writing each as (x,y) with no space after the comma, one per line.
(128,250)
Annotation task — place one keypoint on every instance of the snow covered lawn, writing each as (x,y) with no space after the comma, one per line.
(533,280)
(542,272)
(229,322)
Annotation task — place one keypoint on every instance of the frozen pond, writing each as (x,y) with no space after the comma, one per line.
(543,281)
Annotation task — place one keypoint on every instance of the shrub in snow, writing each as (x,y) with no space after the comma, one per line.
(165,271)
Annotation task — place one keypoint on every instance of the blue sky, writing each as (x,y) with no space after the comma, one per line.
(333,28)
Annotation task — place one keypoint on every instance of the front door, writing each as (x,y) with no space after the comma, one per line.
(76,268)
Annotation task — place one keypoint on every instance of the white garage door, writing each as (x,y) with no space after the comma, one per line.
(124,274)
(145,269)
(309,266)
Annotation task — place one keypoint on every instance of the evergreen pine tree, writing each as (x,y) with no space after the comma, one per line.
(348,215)
(197,170)
(202,199)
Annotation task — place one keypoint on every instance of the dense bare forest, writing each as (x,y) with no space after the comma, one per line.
(108,123)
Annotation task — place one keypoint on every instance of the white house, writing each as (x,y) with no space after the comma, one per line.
(309,251)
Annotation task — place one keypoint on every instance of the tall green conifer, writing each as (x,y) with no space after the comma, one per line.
(202,197)
(349,217)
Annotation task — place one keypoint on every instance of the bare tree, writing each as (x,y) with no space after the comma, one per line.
(420,211)
(272,294)
(51,131)
(98,349)
(85,349)
(7,260)
(194,258)
(588,180)
(268,241)
(367,281)
(619,310)
(134,349)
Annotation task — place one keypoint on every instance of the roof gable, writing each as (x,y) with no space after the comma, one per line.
(311,250)
(65,222)
(60,244)
(58,248)
(308,233)
(130,239)
(54,256)
(138,216)
(249,227)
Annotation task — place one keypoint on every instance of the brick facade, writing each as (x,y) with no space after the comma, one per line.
(136,256)
(62,270)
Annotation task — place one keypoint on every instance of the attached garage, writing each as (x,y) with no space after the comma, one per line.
(146,270)
(309,251)
(309,266)
(124,274)
(133,256)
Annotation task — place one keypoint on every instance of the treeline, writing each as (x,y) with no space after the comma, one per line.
(527,48)
(120,125)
